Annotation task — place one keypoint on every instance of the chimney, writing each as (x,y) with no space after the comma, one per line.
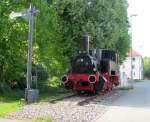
(86,39)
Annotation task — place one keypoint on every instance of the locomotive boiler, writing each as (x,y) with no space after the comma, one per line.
(92,70)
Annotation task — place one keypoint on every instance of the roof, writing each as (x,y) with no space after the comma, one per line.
(134,53)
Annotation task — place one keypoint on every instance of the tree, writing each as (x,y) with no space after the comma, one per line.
(13,45)
(105,21)
(59,28)
(13,40)
(147,67)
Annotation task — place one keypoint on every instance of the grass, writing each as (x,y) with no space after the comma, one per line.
(53,93)
(137,80)
(53,90)
(9,107)
(13,100)
(10,102)
(46,119)
(126,88)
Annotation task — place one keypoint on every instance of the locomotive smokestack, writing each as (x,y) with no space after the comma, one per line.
(86,39)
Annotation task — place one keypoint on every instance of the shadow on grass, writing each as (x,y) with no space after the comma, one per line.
(52,93)
(14,95)
(46,94)
(13,101)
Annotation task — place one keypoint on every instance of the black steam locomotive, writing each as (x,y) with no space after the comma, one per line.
(93,70)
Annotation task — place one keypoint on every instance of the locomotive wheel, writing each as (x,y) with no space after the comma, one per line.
(100,85)
(116,83)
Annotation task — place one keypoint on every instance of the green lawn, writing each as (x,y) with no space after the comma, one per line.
(9,107)
(11,102)
(53,93)
(46,119)
(136,80)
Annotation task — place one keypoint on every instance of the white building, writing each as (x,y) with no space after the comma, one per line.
(137,66)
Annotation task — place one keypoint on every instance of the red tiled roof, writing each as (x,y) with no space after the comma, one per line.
(134,53)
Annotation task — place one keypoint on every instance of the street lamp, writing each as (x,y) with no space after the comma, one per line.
(131,28)
(31,95)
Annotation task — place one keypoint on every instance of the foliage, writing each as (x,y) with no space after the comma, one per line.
(12,45)
(59,28)
(5,88)
(13,41)
(105,21)
(147,67)
(40,74)
(55,82)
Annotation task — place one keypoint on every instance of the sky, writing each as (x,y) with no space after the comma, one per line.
(140,26)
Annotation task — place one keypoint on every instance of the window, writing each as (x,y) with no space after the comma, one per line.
(133,73)
(133,59)
(133,66)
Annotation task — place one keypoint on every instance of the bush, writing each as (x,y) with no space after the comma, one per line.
(5,88)
(42,75)
(41,72)
(147,67)
(55,82)
(39,78)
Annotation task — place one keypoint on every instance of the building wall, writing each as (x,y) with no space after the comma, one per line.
(137,67)
(126,67)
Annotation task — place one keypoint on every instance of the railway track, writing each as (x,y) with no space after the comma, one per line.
(87,100)
(62,98)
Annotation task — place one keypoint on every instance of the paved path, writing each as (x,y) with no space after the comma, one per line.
(132,107)
(8,120)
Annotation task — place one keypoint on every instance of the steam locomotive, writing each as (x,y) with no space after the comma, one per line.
(93,71)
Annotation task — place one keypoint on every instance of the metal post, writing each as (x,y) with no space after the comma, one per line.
(133,15)
(131,49)
(31,95)
(30,41)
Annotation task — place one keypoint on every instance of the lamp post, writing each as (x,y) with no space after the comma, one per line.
(131,27)
(31,95)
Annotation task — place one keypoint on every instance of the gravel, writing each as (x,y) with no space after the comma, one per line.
(68,110)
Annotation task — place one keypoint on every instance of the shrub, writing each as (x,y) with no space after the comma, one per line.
(5,88)
(55,82)
(42,76)
(147,67)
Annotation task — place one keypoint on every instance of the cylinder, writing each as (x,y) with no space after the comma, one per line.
(86,39)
